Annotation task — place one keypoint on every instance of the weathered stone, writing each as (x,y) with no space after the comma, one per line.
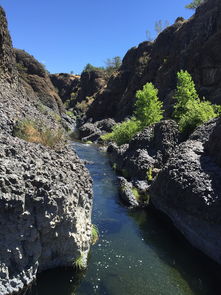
(147,150)
(45,211)
(188,189)
(126,193)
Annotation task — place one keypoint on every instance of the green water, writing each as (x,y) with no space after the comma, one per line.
(138,251)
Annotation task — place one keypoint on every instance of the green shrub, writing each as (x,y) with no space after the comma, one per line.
(123,133)
(136,193)
(148,108)
(79,263)
(150,174)
(189,110)
(94,234)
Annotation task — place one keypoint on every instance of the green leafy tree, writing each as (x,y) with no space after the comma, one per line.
(189,110)
(195,3)
(148,108)
(89,67)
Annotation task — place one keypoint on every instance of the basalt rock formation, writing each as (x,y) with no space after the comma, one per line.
(192,45)
(45,194)
(35,79)
(188,189)
(66,84)
(77,91)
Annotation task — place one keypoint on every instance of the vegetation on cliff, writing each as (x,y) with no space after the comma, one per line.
(148,110)
(194,4)
(189,110)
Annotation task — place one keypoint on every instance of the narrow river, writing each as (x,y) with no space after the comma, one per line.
(138,253)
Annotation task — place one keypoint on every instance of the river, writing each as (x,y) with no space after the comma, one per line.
(138,253)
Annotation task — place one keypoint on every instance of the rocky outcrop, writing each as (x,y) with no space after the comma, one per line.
(66,84)
(45,209)
(147,152)
(45,194)
(192,45)
(35,79)
(188,189)
(92,132)
(77,91)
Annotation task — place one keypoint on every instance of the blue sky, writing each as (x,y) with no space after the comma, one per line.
(66,35)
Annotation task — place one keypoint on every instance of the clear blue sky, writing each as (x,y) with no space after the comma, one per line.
(65,35)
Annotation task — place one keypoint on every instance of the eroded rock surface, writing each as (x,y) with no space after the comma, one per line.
(45,209)
(188,189)
(45,194)
(149,149)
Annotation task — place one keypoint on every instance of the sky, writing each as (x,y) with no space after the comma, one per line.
(66,35)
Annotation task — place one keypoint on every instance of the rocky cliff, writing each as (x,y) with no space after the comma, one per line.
(188,189)
(45,194)
(77,91)
(192,45)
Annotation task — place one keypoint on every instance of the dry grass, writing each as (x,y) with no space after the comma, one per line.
(33,132)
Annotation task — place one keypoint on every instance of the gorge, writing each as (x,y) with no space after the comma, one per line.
(156,200)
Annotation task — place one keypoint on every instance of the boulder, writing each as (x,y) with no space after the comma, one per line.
(126,193)
(105,125)
(149,149)
(45,211)
(88,129)
(188,189)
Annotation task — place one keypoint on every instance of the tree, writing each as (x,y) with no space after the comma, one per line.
(113,64)
(89,67)
(148,108)
(160,26)
(195,3)
(189,110)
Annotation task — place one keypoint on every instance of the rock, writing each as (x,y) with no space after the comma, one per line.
(35,79)
(68,122)
(147,151)
(45,194)
(66,84)
(105,125)
(188,189)
(45,217)
(192,45)
(126,193)
(89,129)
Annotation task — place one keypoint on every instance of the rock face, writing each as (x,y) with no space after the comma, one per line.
(188,189)
(78,91)
(148,150)
(45,194)
(66,84)
(192,45)
(45,209)
(35,79)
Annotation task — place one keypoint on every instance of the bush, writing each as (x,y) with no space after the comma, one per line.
(189,110)
(123,133)
(33,132)
(148,108)
(94,234)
